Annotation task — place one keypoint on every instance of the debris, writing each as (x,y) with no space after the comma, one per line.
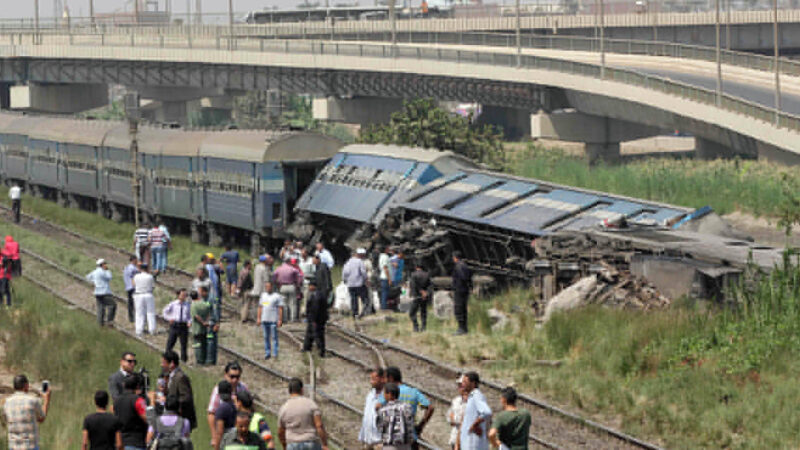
(571,297)
(443,304)
(498,319)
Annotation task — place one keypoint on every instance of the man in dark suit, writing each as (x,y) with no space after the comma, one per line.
(462,284)
(178,384)
(115,382)
(322,276)
(316,317)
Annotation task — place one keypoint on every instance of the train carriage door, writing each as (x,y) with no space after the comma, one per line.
(297,178)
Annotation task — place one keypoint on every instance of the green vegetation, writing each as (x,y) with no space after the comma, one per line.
(727,185)
(46,340)
(422,124)
(114,111)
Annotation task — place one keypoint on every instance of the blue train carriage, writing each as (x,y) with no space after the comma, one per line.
(251,180)
(65,158)
(177,191)
(117,171)
(353,193)
(14,147)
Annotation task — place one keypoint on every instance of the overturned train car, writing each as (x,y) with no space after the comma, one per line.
(513,229)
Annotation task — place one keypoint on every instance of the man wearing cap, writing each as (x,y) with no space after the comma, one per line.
(354,275)
(101,277)
(143,300)
(260,277)
(289,279)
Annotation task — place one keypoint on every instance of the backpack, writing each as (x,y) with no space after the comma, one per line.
(170,438)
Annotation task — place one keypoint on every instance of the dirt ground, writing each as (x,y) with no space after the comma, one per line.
(762,230)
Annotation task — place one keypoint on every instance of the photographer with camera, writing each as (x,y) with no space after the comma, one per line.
(23,412)
(131,410)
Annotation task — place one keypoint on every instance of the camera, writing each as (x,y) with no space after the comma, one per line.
(45,386)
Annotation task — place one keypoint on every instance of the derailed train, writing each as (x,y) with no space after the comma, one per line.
(260,186)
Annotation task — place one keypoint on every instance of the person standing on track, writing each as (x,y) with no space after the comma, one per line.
(101,277)
(141,239)
(369,436)
(354,275)
(316,318)
(231,260)
(385,276)
(157,241)
(15,194)
(201,316)
(244,285)
(413,397)
(477,416)
(510,427)
(322,275)
(215,299)
(395,421)
(306,263)
(5,282)
(143,300)
(421,292)
(300,424)
(11,254)
(127,277)
(462,284)
(168,245)
(260,278)
(178,314)
(270,316)
(288,279)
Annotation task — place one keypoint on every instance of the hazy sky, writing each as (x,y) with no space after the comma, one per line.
(24,8)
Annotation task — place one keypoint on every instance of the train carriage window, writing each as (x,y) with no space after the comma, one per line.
(276,211)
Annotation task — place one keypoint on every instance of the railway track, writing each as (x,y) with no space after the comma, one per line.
(552,427)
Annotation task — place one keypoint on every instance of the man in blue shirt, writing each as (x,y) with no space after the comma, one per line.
(477,416)
(413,397)
(127,276)
(101,277)
(231,259)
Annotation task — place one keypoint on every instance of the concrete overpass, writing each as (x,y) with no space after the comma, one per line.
(741,30)
(618,101)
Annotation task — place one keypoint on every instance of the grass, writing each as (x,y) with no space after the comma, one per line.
(692,376)
(47,340)
(726,185)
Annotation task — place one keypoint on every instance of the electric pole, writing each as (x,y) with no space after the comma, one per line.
(231,43)
(719,59)
(136,12)
(519,37)
(91,12)
(36,20)
(777,62)
(132,111)
(602,41)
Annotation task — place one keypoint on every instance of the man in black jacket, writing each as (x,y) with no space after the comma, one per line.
(322,276)
(179,385)
(316,317)
(421,292)
(126,365)
(462,284)
(131,410)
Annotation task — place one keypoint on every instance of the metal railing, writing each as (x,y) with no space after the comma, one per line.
(63,47)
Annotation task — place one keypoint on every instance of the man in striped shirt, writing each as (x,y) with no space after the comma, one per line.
(157,240)
(141,239)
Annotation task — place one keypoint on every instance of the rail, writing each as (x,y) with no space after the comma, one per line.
(504,21)
(92,47)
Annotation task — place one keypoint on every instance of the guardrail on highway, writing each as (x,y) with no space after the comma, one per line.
(59,47)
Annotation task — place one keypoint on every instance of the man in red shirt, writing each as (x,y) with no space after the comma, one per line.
(289,279)
(11,253)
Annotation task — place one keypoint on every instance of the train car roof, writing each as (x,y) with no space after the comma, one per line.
(400,152)
(262,146)
(82,132)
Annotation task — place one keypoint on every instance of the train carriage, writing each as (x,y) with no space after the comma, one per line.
(117,171)
(14,147)
(251,179)
(175,176)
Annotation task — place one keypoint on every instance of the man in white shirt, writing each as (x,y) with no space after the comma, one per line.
(324,255)
(15,194)
(270,314)
(369,436)
(385,275)
(143,301)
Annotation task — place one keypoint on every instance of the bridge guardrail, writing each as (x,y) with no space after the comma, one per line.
(506,59)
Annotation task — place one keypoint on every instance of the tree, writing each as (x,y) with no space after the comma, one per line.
(422,124)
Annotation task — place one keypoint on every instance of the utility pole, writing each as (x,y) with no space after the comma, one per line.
(719,60)
(132,111)
(519,37)
(727,24)
(36,21)
(602,41)
(231,44)
(136,12)
(91,12)
(393,19)
(653,4)
(777,62)
(198,10)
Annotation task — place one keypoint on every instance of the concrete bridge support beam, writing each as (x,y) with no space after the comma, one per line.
(602,135)
(358,110)
(59,98)
(5,95)
(514,122)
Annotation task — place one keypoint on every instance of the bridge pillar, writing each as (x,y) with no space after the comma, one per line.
(515,123)
(358,110)
(601,135)
(707,149)
(59,98)
(5,95)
